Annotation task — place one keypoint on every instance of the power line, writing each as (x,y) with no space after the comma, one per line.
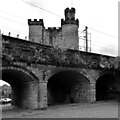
(12,15)
(59,16)
(54,35)
(42,8)
(101,46)
(12,28)
(14,33)
(103,33)
(12,20)
(79,24)
(95,44)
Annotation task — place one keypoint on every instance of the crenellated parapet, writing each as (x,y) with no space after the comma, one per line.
(63,22)
(54,29)
(35,22)
(36,28)
(69,13)
(69,17)
(65,37)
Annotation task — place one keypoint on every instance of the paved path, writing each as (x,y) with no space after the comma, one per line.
(97,110)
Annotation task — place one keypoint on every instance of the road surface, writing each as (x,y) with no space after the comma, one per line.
(104,109)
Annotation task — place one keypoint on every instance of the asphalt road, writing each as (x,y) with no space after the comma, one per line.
(104,109)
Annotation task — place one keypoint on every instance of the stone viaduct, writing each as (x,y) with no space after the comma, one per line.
(41,75)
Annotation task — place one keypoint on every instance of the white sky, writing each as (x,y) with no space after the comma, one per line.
(2,83)
(101,17)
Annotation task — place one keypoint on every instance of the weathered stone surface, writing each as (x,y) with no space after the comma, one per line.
(15,50)
(32,65)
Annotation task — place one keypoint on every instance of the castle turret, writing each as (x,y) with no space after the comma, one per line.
(69,17)
(36,28)
(70,30)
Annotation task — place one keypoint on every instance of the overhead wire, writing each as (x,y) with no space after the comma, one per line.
(13,15)
(13,20)
(13,32)
(95,43)
(103,33)
(55,15)
(60,16)
(41,8)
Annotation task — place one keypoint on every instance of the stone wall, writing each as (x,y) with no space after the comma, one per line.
(36,34)
(80,93)
(39,59)
(70,38)
(36,30)
(23,51)
(25,95)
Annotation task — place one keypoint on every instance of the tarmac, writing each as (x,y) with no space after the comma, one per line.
(103,109)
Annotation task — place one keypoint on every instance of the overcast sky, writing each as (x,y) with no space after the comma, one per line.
(101,17)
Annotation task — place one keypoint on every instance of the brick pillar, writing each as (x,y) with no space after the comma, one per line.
(42,91)
(92,92)
(0,54)
(42,102)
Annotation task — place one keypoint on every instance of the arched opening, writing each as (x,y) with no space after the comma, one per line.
(117,74)
(24,88)
(5,93)
(106,87)
(68,87)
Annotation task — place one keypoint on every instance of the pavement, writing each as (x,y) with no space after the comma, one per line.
(104,109)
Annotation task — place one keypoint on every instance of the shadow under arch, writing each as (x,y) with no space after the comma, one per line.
(68,87)
(106,86)
(22,82)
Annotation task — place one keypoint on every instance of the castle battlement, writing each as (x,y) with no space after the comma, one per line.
(51,28)
(68,10)
(64,37)
(35,22)
(69,17)
(63,22)
(54,29)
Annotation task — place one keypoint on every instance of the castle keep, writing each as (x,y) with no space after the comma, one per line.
(65,37)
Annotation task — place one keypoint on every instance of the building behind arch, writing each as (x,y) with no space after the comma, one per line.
(5,91)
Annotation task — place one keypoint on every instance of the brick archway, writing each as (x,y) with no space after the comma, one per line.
(24,86)
(106,86)
(68,87)
(50,73)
